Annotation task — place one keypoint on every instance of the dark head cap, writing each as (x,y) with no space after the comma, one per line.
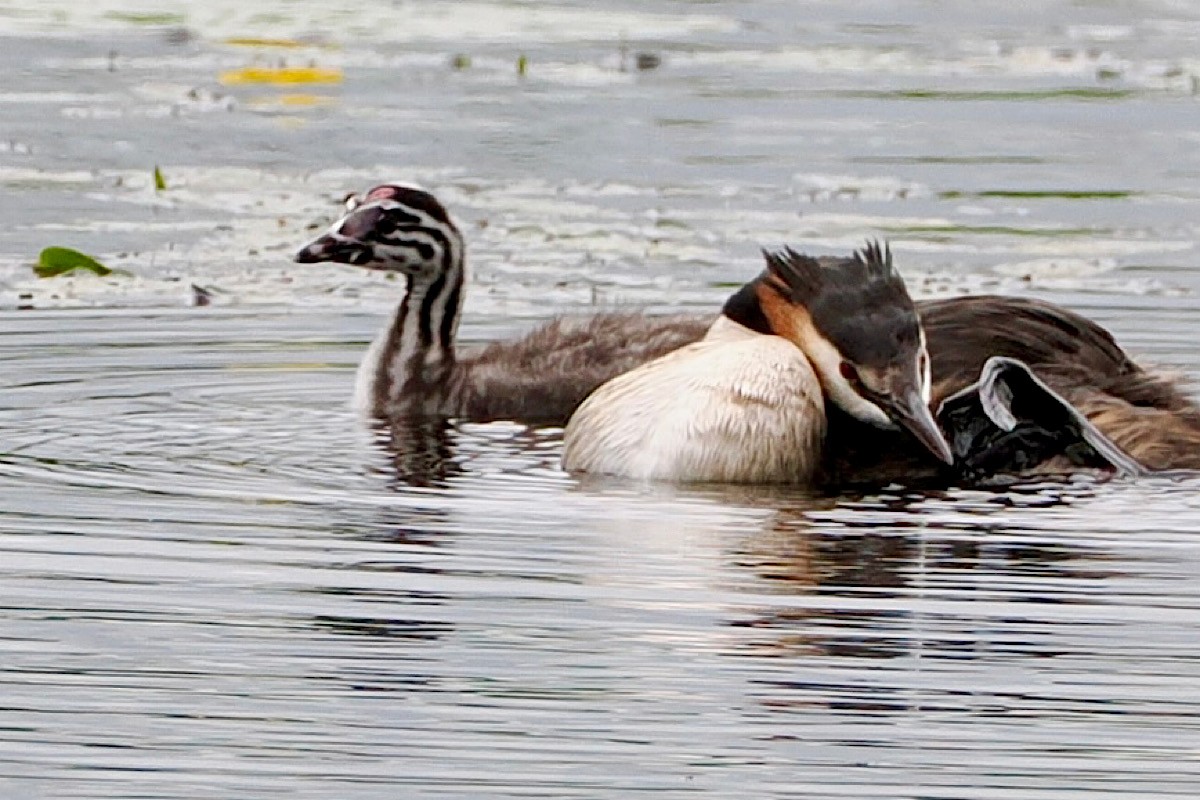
(859,304)
(854,319)
(393,226)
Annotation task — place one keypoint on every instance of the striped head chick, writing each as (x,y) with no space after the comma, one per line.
(855,321)
(402,229)
(393,227)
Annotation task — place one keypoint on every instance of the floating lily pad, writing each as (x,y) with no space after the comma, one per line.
(150,18)
(281,75)
(258,41)
(301,100)
(55,261)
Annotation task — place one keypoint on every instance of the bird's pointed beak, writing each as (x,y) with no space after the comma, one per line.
(910,411)
(337,248)
(319,249)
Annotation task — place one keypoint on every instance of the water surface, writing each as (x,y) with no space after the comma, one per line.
(216,582)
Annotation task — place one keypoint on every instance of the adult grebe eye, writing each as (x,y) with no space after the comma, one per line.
(849,373)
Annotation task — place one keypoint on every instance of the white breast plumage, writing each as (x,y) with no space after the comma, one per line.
(735,407)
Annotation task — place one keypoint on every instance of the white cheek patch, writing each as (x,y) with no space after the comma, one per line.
(926,371)
(828,362)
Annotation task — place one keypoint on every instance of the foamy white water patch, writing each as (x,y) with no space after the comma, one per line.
(532,244)
(28,176)
(53,98)
(1080,274)
(1057,267)
(355,22)
(1097,65)
(1100,33)
(817,188)
(965,59)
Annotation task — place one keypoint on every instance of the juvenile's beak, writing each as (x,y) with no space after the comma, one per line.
(319,249)
(336,248)
(909,411)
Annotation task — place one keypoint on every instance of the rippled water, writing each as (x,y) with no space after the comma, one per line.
(216,582)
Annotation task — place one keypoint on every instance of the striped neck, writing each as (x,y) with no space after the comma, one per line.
(417,354)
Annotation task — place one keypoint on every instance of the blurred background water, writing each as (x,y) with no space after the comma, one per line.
(216,582)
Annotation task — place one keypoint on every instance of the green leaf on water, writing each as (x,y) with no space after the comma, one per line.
(151,18)
(160,183)
(522,65)
(55,261)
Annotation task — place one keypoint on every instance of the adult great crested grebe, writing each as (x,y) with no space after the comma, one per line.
(1021,386)
(747,404)
(415,369)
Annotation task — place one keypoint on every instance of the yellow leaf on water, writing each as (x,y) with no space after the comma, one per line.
(281,76)
(302,100)
(255,41)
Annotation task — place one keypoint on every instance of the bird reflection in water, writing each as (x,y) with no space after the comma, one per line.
(420,450)
(893,577)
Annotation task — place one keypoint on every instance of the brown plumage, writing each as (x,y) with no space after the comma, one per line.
(544,375)
(1147,415)
(415,368)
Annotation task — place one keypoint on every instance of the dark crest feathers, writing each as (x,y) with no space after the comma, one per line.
(877,258)
(802,277)
(858,303)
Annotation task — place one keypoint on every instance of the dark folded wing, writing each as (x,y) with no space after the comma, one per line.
(1062,347)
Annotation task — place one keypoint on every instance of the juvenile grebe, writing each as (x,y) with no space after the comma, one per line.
(747,404)
(415,369)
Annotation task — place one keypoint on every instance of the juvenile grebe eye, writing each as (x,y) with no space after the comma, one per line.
(849,373)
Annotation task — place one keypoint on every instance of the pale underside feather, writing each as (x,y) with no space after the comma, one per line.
(736,407)
(368,369)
